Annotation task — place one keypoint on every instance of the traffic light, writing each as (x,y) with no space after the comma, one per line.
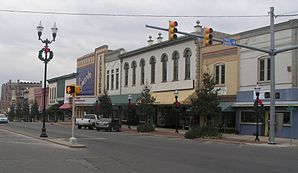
(207,38)
(78,89)
(70,89)
(172,30)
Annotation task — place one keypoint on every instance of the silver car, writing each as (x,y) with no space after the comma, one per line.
(3,118)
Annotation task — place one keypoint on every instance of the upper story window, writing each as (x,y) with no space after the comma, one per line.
(117,78)
(134,75)
(142,65)
(264,69)
(187,55)
(164,60)
(126,67)
(220,74)
(108,79)
(112,79)
(152,63)
(175,58)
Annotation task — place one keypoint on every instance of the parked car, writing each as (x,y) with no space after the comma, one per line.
(108,124)
(87,121)
(3,118)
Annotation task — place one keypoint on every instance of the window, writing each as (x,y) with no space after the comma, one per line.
(164,60)
(287,118)
(112,79)
(152,62)
(117,78)
(126,67)
(264,69)
(108,80)
(187,55)
(219,74)
(134,67)
(142,65)
(248,117)
(175,58)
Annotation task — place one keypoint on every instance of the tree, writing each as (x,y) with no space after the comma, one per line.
(207,101)
(26,111)
(104,106)
(145,104)
(19,111)
(34,111)
(11,113)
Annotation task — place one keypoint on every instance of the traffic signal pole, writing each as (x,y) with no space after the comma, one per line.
(73,139)
(271,52)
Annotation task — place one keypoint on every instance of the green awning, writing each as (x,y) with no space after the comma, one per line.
(123,99)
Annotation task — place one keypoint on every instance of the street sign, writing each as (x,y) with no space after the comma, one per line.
(229,42)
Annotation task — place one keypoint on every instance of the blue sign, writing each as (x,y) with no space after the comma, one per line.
(85,79)
(229,42)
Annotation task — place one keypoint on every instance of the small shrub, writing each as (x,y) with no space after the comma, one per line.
(204,132)
(145,128)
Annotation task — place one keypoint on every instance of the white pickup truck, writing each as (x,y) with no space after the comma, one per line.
(87,121)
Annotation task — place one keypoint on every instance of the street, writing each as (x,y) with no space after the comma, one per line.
(126,152)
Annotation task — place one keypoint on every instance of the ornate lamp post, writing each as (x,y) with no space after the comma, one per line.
(48,56)
(256,105)
(177,107)
(129,110)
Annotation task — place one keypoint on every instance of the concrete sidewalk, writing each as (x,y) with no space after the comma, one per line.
(226,138)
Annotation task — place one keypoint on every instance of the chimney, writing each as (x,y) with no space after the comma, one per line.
(150,41)
(159,38)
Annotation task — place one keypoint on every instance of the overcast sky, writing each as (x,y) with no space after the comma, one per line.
(80,35)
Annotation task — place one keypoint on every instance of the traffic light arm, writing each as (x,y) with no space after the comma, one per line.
(214,39)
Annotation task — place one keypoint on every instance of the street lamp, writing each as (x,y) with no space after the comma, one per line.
(129,108)
(177,107)
(256,104)
(48,56)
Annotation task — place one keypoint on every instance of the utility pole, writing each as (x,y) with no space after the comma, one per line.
(271,52)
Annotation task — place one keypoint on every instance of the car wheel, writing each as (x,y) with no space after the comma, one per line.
(97,129)
(79,126)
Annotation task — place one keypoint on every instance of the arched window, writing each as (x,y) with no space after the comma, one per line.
(187,55)
(175,58)
(134,75)
(152,62)
(142,65)
(126,67)
(164,60)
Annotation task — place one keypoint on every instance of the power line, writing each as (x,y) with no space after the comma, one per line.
(129,15)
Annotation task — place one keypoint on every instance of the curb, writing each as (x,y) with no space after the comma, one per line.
(58,141)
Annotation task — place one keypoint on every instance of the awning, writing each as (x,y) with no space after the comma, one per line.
(65,106)
(168,97)
(266,103)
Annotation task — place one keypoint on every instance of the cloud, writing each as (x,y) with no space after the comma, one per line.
(80,35)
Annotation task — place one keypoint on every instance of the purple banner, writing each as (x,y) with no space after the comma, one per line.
(86,79)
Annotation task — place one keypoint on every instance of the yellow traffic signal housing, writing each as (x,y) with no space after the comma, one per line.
(172,30)
(207,38)
(73,89)
(78,89)
(70,89)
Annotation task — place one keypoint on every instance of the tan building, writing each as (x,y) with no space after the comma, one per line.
(223,63)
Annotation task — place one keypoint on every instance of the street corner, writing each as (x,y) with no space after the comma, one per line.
(64,142)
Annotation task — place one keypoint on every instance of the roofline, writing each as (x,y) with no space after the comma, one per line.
(293,23)
(157,46)
(71,75)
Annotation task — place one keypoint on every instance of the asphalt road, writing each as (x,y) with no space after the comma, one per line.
(130,153)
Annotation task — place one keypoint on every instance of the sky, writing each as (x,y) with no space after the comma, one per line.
(81,34)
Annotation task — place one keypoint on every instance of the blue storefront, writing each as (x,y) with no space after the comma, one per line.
(286,114)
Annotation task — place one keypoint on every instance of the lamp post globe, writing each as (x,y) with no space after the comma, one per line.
(48,56)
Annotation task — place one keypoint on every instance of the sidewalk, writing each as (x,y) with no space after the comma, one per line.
(226,138)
